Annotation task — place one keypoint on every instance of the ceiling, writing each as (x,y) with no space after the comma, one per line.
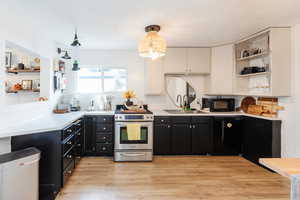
(119,24)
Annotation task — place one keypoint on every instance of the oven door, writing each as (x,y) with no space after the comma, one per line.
(146,136)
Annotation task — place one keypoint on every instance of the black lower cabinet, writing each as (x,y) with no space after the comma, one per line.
(162,139)
(261,139)
(99,137)
(202,136)
(178,135)
(89,135)
(181,139)
(227,136)
(50,170)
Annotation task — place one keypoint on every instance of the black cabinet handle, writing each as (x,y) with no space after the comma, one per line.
(223,131)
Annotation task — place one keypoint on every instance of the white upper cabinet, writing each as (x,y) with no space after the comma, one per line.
(220,80)
(175,61)
(187,61)
(154,77)
(198,60)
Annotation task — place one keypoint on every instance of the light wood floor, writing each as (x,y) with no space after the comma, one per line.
(172,178)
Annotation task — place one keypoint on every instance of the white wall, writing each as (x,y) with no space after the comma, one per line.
(135,65)
(290,116)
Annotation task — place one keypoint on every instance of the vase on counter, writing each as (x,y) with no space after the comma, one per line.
(129,102)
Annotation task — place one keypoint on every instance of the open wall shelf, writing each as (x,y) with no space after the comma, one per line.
(267,51)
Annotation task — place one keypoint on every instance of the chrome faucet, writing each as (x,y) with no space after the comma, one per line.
(180,98)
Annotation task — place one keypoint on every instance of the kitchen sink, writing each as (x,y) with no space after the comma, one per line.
(183,111)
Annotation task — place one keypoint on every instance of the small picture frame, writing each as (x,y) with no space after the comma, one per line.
(27,84)
(8,56)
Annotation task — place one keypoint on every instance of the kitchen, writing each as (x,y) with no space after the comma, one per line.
(201,115)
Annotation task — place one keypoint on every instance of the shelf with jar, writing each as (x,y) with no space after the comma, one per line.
(23,86)
(263,63)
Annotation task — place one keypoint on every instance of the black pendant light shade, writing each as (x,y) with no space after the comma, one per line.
(75,43)
(66,56)
(75,67)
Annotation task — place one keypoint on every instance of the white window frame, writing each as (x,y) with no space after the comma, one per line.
(102,80)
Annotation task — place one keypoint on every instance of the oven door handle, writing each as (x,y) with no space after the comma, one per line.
(133,154)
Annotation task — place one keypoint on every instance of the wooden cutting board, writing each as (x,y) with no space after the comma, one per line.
(255,109)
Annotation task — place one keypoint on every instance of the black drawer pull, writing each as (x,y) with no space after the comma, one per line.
(69,143)
(69,156)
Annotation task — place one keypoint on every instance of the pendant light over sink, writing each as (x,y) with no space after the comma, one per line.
(152,45)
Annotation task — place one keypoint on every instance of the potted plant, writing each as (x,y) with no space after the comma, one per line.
(128,95)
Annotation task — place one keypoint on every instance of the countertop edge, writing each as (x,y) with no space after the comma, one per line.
(82,114)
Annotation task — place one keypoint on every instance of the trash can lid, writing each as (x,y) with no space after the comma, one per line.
(15,155)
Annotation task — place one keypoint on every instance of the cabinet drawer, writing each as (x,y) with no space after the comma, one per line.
(77,125)
(67,132)
(104,128)
(181,120)
(67,145)
(162,120)
(103,148)
(105,119)
(68,158)
(67,172)
(195,120)
(103,138)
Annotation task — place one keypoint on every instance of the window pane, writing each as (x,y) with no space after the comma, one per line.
(115,85)
(113,72)
(86,85)
(90,80)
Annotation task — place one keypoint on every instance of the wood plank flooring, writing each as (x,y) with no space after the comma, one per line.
(173,178)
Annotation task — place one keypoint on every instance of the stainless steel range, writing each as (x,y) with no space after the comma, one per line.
(133,136)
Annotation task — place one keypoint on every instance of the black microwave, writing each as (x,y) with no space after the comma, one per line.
(219,105)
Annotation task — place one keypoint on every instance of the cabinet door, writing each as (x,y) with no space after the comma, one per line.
(221,76)
(251,139)
(199,60)
(162,139)
(202,137)
(175,61)
(181,139)
(90,135)
(154,77)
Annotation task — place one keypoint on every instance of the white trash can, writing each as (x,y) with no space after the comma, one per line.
(19,175)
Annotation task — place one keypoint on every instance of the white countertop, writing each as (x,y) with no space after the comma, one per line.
(44,123)
(53,122)
(211,114)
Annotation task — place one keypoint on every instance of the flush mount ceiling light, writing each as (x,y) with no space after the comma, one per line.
(152,45)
